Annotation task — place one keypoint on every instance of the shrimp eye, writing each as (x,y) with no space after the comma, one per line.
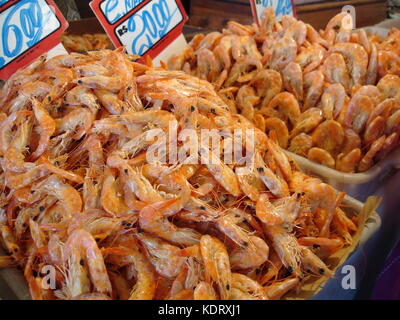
(321,271)
(315,246)
(260,169)
(246,244)
(192,108)
(126,171)
(228,287)
(257,271)
(81,262)
(129,88)
(213,111)
(79,81)
(290,269)
(41,208)
(202,208)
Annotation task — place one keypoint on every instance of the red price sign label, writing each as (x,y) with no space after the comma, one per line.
(28,29)
(144,27)
(281,7)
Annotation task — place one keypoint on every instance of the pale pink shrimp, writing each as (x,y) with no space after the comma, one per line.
(145,286)
(242,66)
(307,121)
(282,211)
(164,257)
(210,40)
(298,31)
(110,200)
(239,29)
(393,123)
(321,156)
(374,130)
(82,243)
(249,182)
(352,141)
(333,100)
(293,79)
(79,120)
(312,263)
(274,183)
(216,264)
(268,83)
(14,158)
(246,99)
(283,52)
(65,193)
(280,129)
(6,127)
(388,63)
(314,37)
(368,160)
(80,95)
(287,105)
(321,196)
(372,72)
(336,71)
(152,221)
(388,146)
(47,128)
(204,291)
(247,288)
(348,162)
(221,172)
(110,101)
(286,246)
(310,58)
(38,89)
(358,112)
(301,144)
(113,84)
(207,65)
(276,290)
(329,135)
(356,58)
(280,157)
(389,85)
(313,83)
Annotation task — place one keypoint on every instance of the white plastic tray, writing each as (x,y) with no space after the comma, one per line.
(17,286)
(358,185)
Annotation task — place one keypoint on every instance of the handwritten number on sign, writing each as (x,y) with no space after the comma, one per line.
(150,25)
(22,27)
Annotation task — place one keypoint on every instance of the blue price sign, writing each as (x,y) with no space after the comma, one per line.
(282,7)
(142,26)
(26,25)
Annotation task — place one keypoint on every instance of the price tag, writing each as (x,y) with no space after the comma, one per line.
(282,7)
(144,27)
(28,29)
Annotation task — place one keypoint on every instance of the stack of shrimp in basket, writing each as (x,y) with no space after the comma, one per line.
(331,96)
(81,197)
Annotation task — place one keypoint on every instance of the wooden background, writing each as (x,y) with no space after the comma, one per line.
(214,14)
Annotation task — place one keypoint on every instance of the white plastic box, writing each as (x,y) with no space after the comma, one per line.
(358,185)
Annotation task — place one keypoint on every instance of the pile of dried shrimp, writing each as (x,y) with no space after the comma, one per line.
(85,42)
(79,194)
(331,96)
